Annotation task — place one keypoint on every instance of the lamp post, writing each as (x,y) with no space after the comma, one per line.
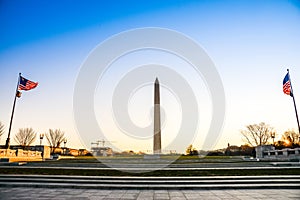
(65,142)
(41,138)
(273,137)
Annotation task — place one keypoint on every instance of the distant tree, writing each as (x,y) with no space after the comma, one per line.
(292,137)
(280,144)
(247,150)
(257,134)
(25,137)
(190,150)
(1,129)
(243,150)
(55,138)
(215,153)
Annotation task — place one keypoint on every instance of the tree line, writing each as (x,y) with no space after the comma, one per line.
(27,136)
(258,134)
(262,134)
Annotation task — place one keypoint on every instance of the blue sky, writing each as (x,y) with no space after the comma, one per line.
(251,43)
(43,19)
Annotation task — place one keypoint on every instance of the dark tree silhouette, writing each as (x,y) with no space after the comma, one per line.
(290,139)
(291,136)
(55,138)
(25,137)
(190,150)
(257,134)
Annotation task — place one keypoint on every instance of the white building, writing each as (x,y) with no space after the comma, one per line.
(268,152)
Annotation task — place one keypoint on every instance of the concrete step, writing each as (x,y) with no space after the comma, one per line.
(153,182)
(245,182)
(145,186)
(160,178)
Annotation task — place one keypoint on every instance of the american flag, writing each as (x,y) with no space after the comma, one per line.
(26,84)
(287,88)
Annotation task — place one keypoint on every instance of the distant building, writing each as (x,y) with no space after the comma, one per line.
(243,150)
(71,151)
(76,152)
(268,152)
(101,151)
(232,150)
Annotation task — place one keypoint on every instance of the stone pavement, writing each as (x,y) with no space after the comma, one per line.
(92,194)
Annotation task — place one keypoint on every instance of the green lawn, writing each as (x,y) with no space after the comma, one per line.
(83,169)
(111,172)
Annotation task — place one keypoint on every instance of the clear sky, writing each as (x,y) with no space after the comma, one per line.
(252,43)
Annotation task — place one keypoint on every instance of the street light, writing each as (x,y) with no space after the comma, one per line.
(41,138)
(65,141)
(273,137)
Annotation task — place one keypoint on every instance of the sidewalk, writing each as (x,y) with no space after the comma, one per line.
(91,194)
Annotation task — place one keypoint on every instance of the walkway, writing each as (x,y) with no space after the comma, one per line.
(91,194)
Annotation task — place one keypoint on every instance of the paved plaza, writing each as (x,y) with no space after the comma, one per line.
(91,194)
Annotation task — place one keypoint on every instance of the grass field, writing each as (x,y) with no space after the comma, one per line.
(178,158)
(91,166)
(112,172)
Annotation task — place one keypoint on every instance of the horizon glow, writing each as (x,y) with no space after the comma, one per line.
(252,43)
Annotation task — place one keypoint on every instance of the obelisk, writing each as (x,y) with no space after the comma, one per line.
(157,130)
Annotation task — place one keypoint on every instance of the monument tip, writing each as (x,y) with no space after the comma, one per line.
(156,80)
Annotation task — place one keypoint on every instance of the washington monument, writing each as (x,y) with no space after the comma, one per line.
(157,130)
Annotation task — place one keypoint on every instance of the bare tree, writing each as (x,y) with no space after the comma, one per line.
(291,136)
(1,129)
(257,134)
(25,137)
(55,138)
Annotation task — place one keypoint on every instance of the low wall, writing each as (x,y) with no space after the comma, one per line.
(20,155)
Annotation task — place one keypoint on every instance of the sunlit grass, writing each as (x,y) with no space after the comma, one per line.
(141,158)
(179,157)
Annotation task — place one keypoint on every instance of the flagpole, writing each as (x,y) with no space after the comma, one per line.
(294,101)
(7,144)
